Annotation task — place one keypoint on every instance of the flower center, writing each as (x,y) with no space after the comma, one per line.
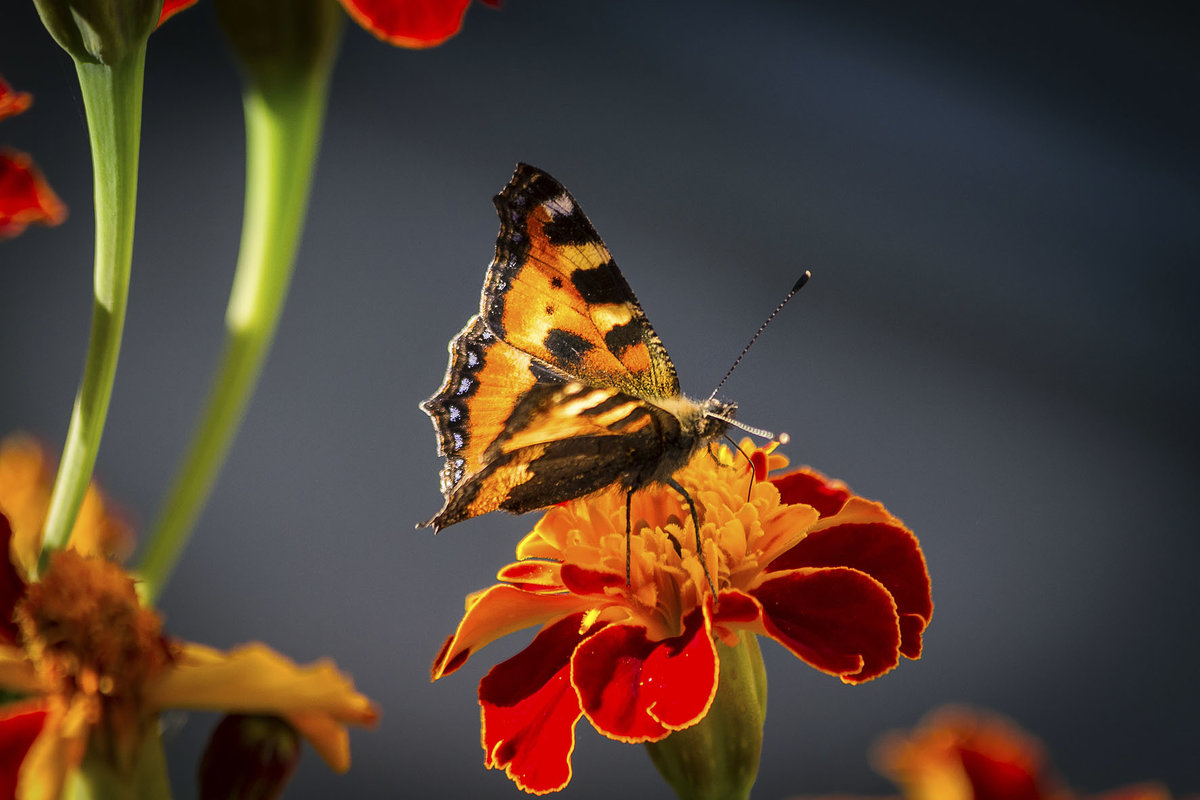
(91,641)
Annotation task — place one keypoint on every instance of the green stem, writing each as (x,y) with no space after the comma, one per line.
(283,127)
(112,99)
(717,758)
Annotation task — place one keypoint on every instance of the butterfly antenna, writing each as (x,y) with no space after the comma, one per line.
(799,285)
(782,438)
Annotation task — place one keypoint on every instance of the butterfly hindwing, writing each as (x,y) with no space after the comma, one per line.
(554,291)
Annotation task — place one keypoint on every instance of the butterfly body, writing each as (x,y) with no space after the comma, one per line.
(559,387)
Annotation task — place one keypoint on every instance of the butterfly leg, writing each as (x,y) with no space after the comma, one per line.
(677,486)
(750,490)
(628,529)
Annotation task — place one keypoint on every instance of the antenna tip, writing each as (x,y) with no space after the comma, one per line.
(800,283)
(783,438)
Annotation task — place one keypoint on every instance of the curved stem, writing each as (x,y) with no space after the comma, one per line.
(112,99)
(283,127)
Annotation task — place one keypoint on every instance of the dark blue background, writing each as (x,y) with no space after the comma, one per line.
(999,207)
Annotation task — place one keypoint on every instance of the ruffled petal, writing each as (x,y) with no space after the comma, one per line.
(885,550)
(254,679)
(20,725)
(496,612)
(409,23)
(811,488)
(839,620)
(530,709)
(636,690)
(12,102)
(25,196)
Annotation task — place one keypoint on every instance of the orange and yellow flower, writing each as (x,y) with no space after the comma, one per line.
(95,667)
(834,578)
(962,754)
(25,196)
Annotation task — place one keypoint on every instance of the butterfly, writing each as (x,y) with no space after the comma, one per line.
(559,387)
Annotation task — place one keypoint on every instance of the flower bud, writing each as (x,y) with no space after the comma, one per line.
(100,31)
(281,40)
(249,758)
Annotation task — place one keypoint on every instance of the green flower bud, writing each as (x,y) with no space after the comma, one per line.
(282,40)
(249,758)
(100,31)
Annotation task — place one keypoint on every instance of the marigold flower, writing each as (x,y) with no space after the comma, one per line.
(411,23)
(834,578)
(25,196)
(100,670)
(95,666)
(962,754)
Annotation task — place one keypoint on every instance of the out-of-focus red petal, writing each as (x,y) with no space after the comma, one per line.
(495,612)
(636,690)
(12,102)
(409,23)
(172,7)
(886,551)
(839,620)
(25,197)
(12,586)
(530,710)
(20,724)
(993,777)
(812,488)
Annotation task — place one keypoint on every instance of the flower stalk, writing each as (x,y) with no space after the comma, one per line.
(112,98)
(717,758)
(284,99)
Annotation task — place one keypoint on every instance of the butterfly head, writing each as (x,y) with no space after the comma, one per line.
(715,418)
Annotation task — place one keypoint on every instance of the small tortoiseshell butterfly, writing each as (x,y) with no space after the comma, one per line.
(559,387)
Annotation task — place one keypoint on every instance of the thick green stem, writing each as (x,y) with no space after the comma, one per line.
(283,127)
(717,758)
(112,99)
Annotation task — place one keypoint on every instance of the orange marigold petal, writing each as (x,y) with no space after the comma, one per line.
(530,710)
(58,749)
(20,725)
(409,23)
(636,690)
(888,552)
(532,576)
(12,102)
(25,196)
(839,620)
(254,679)
(496,612)
(172,7)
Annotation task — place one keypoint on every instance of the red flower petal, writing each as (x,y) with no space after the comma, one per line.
(839,620)
(530,710)
(813,489)
(409,23)
(583,581)
(20,724)
(532,576)
(11,588)
(25,197)
(636,690)
(172,7)
(889,553)
(12,102)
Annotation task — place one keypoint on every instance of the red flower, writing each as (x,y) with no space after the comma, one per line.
(405,23)
(25,196)
(411,23)
(959,754)
(834,578)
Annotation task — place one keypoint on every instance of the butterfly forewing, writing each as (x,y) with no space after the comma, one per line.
(555,292)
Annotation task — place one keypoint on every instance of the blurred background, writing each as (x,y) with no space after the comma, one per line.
(999,208)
